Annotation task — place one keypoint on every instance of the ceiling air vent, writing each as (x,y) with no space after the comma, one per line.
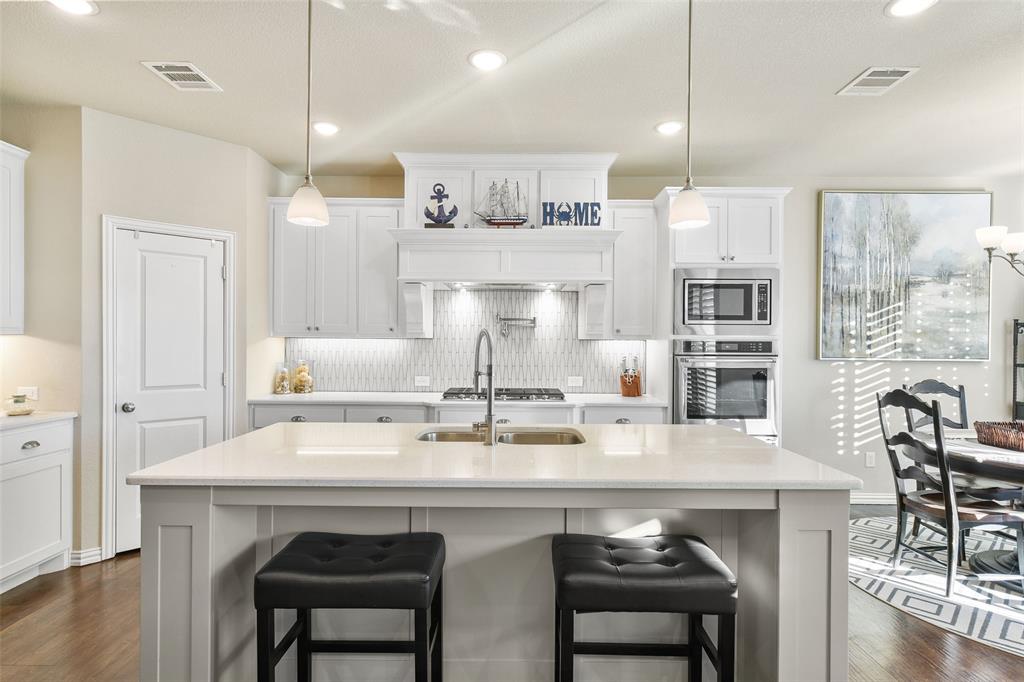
(878,80)
(183,76)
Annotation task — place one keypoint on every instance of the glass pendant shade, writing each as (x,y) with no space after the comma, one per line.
(307,206)
(1013,243)
(688,210)
(990,237)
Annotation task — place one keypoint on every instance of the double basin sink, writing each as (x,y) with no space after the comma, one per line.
(507,437)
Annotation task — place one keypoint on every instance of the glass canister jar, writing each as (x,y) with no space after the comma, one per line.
(18,406)
(302,381)
(282,379)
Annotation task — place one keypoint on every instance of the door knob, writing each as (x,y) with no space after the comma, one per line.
(127,407)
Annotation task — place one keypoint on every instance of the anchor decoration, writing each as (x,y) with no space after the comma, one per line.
(439,216)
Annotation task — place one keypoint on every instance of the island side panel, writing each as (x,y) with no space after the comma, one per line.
(757,616)
(813,565)
(176,632)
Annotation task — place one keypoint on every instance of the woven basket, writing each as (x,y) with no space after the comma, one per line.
(1009,435)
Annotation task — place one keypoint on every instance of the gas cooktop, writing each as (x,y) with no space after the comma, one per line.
(467,393)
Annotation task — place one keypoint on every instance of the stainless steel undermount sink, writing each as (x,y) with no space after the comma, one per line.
(541,437)
(451,437)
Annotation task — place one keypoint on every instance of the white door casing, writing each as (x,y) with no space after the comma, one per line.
(167,358)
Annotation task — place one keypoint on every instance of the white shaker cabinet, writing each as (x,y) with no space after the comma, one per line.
(742,229)
(633,291)
(12,239)
(336,274)
(378,271)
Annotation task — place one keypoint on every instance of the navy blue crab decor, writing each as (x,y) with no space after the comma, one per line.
(439,216)
(579,214)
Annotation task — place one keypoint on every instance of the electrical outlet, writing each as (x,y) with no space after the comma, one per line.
(869,459)
(30,392)
(422,380)
(575,382)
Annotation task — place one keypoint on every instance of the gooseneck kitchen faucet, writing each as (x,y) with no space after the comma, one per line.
(487,425)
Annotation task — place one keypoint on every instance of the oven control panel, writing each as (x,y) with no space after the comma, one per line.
(720,347)
(762,303)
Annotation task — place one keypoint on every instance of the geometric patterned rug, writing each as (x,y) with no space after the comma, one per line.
(984,611)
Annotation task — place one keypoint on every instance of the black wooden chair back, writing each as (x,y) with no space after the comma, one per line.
(919,453)
(935,387)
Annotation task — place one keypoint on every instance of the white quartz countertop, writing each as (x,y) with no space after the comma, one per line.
(435,399)
(389,456)
(34,419)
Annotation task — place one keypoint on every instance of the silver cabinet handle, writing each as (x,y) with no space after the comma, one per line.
(623,420)
(298,418)
(30,445)
(384,420)
(503,421)
(391,329)
(618,331)
(732,257)
(128,407)
(309,329)
(723,257)
(316,329)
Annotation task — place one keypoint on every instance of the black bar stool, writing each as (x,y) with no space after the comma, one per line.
(659,574)
(334,571)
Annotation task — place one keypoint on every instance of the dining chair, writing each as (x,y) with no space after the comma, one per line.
(939,500)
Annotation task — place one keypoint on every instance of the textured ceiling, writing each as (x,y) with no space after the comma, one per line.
(582,76)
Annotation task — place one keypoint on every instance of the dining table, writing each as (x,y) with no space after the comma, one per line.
(968,456)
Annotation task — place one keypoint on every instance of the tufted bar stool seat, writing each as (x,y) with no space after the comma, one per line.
(657,574)
(341,571)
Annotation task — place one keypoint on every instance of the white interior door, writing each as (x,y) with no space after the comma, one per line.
(169,357)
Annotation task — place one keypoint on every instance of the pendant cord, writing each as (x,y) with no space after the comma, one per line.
(689,85)
(309,81)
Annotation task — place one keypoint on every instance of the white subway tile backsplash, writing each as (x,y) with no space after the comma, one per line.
(545,356)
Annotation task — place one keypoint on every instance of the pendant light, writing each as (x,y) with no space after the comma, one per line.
(307,206)
(688,208)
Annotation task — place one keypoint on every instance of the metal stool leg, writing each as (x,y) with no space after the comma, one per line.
(726,648)
(437,652)
(566,645)
(265,645)
(558,644)
(305,655)
(421,645)
(696,656)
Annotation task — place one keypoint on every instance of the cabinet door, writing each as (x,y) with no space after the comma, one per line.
(12,241)
(594,310)
(378,272)
(337,271)
(633,293)
(292,283)
(706,244)
(754,230)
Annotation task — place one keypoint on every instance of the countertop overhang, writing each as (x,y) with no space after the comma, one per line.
(389,456)
(434,399)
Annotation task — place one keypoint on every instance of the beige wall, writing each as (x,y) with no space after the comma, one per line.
(364,186)
(48,355)
(812,416)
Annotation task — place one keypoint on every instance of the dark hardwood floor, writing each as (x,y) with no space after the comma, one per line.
(83,624)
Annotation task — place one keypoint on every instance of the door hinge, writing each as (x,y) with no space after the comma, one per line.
(223,379)
(224,272)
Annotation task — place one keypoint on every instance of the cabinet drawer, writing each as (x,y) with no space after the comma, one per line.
(635,415)
(407,414)
(33,441)
(265,415)
(514,415)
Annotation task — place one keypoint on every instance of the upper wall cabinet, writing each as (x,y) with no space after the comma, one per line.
(633,295)
(557,190)
(340,280)
(745,228)
(12,239)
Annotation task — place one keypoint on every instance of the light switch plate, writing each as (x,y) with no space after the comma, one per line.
(30,392)
(575,382)
(421,380)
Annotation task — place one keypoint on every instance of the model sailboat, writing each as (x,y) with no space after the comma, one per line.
(504,205)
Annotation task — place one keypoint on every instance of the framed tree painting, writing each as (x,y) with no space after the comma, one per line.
(902,276)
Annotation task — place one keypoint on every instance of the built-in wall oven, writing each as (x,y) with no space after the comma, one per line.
(728,382)
(717,301)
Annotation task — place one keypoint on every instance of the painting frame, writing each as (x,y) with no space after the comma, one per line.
(821,281)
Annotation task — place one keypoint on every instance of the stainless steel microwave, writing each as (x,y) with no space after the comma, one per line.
(725,301)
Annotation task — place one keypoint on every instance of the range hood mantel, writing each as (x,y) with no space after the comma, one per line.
(521,256)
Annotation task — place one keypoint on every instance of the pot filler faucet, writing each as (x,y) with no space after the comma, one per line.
(487,425)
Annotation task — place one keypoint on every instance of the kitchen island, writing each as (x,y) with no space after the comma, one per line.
(211,518)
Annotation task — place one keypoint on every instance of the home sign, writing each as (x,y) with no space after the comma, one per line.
(580,213)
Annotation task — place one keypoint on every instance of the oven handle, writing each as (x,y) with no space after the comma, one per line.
(712,361)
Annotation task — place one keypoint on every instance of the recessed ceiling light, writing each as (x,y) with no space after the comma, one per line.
(487,60)
(325,128)
(669,127)
(907,8)
(80,7)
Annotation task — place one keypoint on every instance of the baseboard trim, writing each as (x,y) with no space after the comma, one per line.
(872,498)
(84,557)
